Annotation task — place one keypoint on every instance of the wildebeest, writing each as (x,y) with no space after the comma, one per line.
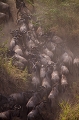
(53,96)
(24,12)
(55,75)
(18,50)
(33,37)
(28,54)
(64,70)
(43,90)
(49,69)
(30,25)
(20,98)
(67,59)
(23,28)
(39,32)
(76,62)
(35,76)
(35,80)
(20,58)
(64,83)
(45,60)
(13,43)
(35,114)
(57,39)
(46,82)
(31,45)
(48,52)
(51,46)
(16,33)
(42,71)
(33,101)
(76,66)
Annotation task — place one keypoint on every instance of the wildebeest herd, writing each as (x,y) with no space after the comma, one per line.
(49,61)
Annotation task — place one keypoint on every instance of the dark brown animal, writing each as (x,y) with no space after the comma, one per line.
(35,114)
(8,115)
(21,98)
(33,101)
(52,98)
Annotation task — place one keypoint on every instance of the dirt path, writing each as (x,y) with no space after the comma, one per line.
(13,9)
(11,25)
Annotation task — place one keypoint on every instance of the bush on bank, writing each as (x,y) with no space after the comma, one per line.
(10,76)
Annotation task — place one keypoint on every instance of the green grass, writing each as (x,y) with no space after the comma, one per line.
(65,109)
(69,111)
(58,16)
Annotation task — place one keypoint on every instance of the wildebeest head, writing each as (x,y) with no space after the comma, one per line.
(76,62)
(66,59)
(64,70)
(42,71)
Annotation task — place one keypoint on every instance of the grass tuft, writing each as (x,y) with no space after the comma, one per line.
(69,111)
